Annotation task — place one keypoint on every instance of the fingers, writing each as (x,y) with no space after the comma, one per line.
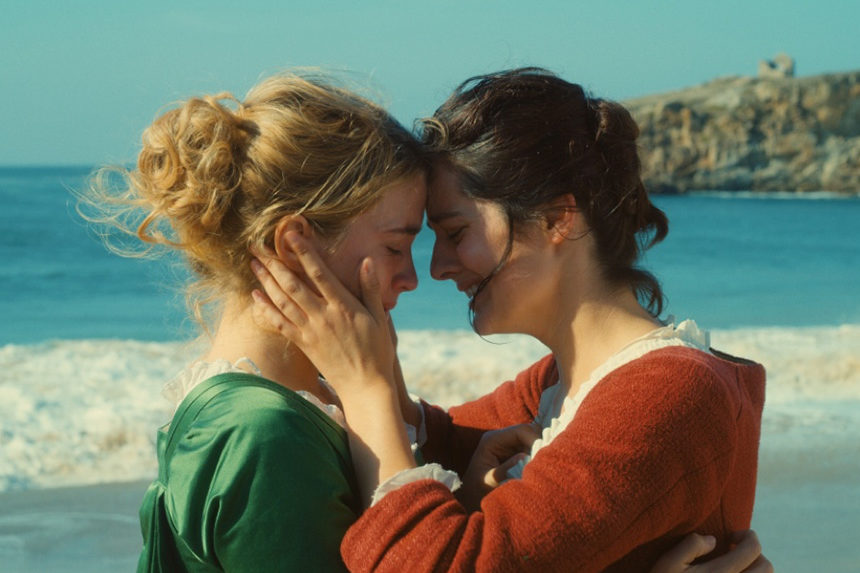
(747,539)
(518,438)
(741,556)
(285,290)
(370,291)
(268,317)
(744,557)
(760,565)
(317,271)
(685,552)
(499,475)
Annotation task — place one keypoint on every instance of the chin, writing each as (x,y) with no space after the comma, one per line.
(487,323)
(484,326)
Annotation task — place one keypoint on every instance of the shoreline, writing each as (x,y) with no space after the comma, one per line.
(808,497)
(94,528)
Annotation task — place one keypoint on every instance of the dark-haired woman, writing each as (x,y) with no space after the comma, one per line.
(646,433)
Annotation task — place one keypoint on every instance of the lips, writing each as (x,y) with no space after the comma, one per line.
(469,290)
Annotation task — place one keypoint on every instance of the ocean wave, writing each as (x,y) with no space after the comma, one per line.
(75,412)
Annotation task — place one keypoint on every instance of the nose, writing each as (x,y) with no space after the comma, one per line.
(407,278)
(442,262)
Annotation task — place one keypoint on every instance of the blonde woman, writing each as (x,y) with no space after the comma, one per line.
(254,469)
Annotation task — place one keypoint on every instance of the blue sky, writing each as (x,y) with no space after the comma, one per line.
(80,80)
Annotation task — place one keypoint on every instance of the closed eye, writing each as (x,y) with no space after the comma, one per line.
(457,234)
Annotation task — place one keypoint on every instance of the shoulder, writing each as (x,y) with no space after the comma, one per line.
(258,430)
(264,405)
(683,368)
(540,375)
(258,418)
(258,457)
(679,387)
(530,384)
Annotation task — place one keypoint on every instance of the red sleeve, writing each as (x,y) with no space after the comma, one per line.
(647,455)
(452,436)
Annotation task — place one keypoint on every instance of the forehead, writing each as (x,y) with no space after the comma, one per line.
(445,196)
(401,205)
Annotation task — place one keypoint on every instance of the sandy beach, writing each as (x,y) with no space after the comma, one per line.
(806,522)
(54,516)
(75,529)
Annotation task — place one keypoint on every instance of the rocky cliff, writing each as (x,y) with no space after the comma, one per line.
(743,133)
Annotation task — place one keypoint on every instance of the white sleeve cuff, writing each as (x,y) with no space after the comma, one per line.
(429,471)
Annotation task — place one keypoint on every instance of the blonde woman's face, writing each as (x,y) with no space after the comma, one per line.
(384,234)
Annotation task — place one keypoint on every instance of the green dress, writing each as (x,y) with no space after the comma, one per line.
(252,477)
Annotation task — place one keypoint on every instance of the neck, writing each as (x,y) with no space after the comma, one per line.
(592,330)
(238,336)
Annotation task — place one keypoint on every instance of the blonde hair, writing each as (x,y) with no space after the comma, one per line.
(215,175)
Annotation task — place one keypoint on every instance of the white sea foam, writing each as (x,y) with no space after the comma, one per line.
(79,412)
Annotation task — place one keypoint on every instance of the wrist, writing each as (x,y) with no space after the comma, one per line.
(378,441)
(367,391)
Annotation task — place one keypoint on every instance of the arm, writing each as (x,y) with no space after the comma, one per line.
(350,344)
(637,463)
(453,436)
(409,409)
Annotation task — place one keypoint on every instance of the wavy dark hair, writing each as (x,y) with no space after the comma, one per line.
(522,138)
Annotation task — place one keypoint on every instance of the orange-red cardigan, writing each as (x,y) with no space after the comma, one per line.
(662,446)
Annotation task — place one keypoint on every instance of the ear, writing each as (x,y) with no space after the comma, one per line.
(562,218)
(297,224)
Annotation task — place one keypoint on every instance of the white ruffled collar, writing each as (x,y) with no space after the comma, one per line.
(183,383)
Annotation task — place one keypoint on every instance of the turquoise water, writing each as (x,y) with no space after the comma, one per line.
(777,264)
(730,260)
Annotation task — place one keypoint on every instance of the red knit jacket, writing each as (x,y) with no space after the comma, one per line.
(662,446)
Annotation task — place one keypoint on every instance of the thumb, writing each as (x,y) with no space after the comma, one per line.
(518,438)
(499,474)
(688,550)
(370,290)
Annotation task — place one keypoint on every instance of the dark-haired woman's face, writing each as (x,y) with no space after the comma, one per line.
(471,239)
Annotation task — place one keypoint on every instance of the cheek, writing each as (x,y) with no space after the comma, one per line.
(478,256)
(385,268)
(346,268)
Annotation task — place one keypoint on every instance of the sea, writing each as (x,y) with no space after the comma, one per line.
(87,339)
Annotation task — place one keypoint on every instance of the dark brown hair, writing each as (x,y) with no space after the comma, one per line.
(521,138)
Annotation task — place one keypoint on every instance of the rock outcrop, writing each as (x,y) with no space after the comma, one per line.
(760,134)
(782,66)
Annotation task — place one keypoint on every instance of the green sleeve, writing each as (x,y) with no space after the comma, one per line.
(268,487)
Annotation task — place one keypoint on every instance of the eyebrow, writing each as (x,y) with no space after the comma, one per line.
(439,217)
(407,230)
